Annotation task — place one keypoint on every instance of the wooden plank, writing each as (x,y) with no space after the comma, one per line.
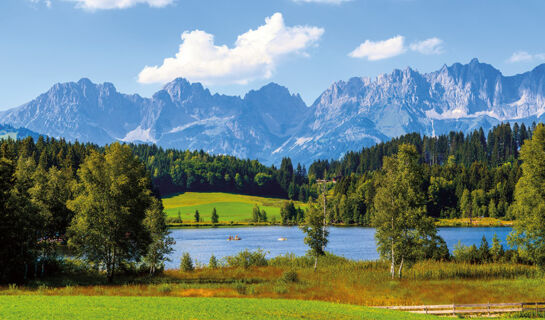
(467,311)
(443,306)
(484,308)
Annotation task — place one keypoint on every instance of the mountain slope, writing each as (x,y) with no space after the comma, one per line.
(271,123)
(7,131)
(363,111)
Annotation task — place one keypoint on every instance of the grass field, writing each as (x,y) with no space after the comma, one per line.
(339,289)
(230,207)
(475,222)
(80,307)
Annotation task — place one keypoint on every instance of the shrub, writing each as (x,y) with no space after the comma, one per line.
(186,263)
(247,259)
(173,220)
(290,276)
(462,253)
(164,288)
(281,288)
(241,288)
(213,263)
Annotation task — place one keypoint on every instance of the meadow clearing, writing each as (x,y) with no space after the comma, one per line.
(236,208)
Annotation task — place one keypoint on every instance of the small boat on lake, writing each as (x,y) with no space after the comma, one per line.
(235,238)
(282,239)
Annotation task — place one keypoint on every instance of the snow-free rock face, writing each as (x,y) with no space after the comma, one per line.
(271,123)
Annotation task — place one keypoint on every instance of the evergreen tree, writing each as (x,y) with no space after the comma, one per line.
(256,214)
(197,216)
(213,263)
(215,216)
(496,251)
(492,212)
(484,251)
(466,205)
(186,263)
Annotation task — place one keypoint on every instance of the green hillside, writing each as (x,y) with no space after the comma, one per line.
(230,207)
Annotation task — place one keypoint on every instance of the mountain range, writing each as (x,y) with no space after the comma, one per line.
(271,123)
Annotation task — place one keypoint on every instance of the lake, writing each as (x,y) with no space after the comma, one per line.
(351,242)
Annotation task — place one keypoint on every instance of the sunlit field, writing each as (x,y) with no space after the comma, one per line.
(230,207)
(78,307)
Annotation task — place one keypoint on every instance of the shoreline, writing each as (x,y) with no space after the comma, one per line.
(440,223)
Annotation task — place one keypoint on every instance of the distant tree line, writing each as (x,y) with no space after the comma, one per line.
(180,171)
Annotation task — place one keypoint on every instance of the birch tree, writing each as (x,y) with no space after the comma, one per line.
(111,201)
(403,230)
(529,206)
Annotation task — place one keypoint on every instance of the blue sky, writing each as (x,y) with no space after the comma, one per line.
(304,45)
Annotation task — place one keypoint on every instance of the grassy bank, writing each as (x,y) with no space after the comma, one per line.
(337,280)
(235,208)
(475,222)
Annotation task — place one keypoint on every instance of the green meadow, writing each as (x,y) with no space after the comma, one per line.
(230,207)
(115,307)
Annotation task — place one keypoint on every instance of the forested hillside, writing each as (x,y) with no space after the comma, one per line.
(465,176)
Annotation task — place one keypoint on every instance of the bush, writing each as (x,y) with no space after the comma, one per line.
(213,263)
(171,220)
(164,288)
(241,288)
(247,259)
(290,276)
(186,263)
(462,253)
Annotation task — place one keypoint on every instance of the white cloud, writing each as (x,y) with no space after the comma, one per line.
(255,54)
(118,4)
(380,49)
(428,46)
(47,3)
(523,56)
(322,1)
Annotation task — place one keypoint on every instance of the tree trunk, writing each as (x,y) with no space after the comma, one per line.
(399,272)
(392,267)
(315,262)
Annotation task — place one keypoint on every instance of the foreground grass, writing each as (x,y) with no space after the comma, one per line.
(79,307)
(230,207)
(337,280)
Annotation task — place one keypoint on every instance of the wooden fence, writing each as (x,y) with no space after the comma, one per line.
(487,308)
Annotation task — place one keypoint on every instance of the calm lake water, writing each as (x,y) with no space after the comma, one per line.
(351,242)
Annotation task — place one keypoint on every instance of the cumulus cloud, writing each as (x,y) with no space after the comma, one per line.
(118,4)
(523,56)
(255,54)
(428,46)
(322,1)
(378,50)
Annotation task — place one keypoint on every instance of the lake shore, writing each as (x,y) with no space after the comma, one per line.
(460,222)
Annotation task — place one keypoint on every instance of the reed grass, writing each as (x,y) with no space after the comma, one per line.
(337,280)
